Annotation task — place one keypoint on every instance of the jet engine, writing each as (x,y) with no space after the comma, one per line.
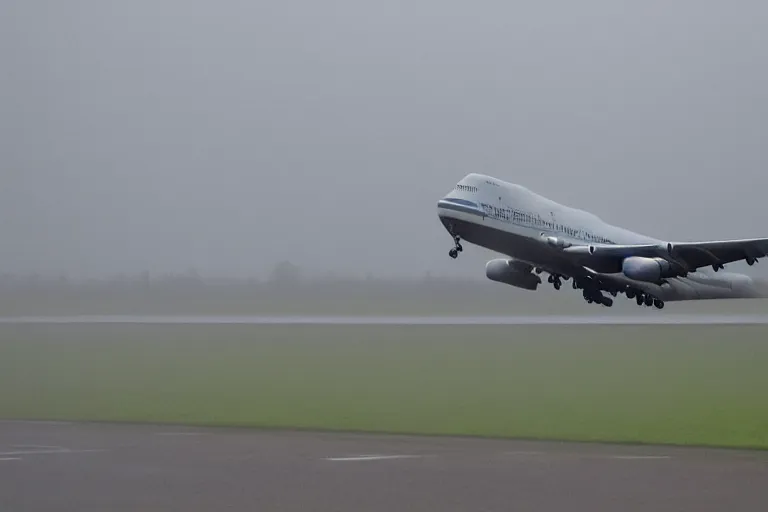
(647,269)
(512,272)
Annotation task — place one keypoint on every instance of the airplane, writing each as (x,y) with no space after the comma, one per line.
(538,235)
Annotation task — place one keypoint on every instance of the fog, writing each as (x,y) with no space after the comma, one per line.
(225,137)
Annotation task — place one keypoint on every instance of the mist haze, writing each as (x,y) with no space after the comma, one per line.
(226,137)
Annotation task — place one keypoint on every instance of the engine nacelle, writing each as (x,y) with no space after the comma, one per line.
(647,269)
(511,272)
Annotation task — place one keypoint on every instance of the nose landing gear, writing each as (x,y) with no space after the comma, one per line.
(454,253)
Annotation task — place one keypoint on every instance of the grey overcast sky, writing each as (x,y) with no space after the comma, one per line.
(225,136)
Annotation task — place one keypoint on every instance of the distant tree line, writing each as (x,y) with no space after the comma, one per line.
(285,278)
(284,274)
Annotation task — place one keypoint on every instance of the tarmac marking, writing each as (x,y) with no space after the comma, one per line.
(35,422)
(45,452)
(37,447)
(9,458)
(637,457)
(360,458)
(180,433)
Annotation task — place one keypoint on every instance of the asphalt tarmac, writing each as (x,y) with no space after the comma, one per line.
(653,318)
(96,467)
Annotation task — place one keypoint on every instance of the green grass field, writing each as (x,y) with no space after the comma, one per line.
(704,385)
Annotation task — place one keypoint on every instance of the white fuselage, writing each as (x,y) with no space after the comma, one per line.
(514,221)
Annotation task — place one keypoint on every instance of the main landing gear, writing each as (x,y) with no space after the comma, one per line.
(644,299)
(592,294)
(555,280)
(454,253)
(597,298)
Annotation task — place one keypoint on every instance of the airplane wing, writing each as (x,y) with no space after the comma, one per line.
(701,254)
(690,255)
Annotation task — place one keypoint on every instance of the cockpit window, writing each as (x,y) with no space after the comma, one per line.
(461,201)
(466,188)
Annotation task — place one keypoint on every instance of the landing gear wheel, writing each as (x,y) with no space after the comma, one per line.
(593,297)
(555,280)
(658,303)
(648,300)
(457,248)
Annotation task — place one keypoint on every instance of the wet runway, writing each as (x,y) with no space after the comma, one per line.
(651,319)
(47,466)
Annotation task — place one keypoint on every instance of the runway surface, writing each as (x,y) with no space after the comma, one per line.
(95,467)
(651,319)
